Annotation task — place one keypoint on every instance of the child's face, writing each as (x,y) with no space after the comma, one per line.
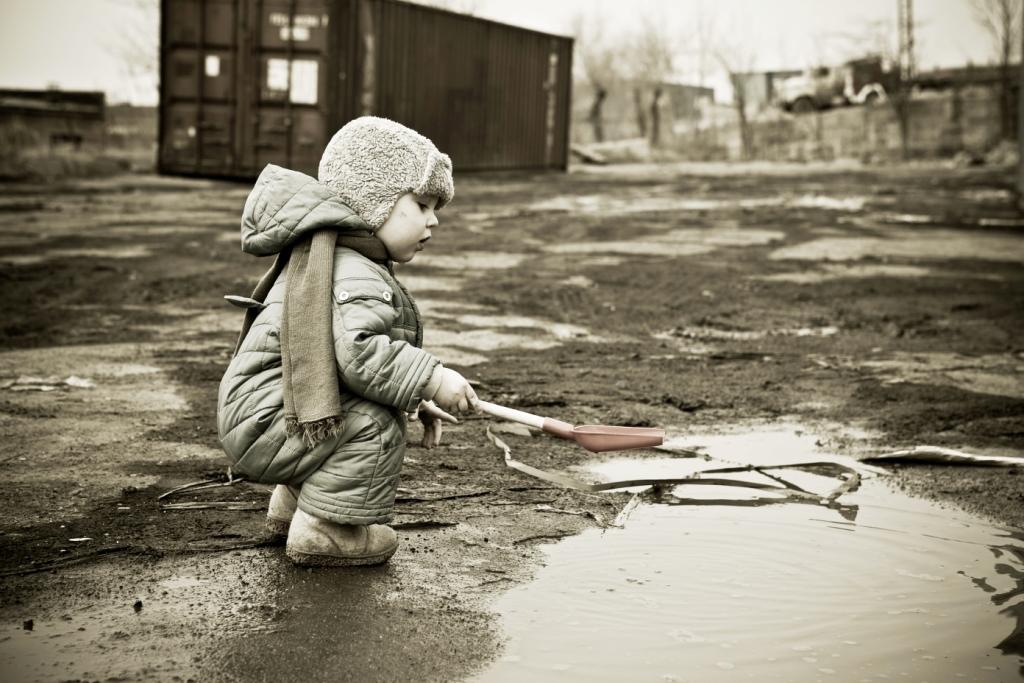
(407,229)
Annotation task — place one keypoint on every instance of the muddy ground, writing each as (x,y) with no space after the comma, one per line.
(875,308)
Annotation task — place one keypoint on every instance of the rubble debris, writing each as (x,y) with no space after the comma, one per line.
(945,456)
(424,524)
(555,536)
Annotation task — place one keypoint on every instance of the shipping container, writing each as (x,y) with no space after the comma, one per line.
(244,83)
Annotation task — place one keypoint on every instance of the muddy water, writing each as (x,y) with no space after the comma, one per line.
(123,623)
(726,585)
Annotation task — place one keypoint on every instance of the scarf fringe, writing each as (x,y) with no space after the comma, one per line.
(317,431)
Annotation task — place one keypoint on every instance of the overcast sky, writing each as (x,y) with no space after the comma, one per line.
(81,44)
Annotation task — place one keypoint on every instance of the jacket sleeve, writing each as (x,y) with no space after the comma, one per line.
(370,363)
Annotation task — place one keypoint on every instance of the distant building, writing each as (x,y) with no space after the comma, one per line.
(53,118)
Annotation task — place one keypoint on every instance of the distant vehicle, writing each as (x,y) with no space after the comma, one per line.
(860,81)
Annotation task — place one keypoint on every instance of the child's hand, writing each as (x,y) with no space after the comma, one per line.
(455,394)
(431,416)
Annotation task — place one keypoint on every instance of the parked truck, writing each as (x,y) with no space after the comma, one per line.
(859,81)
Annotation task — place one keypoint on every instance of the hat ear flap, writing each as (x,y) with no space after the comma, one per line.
(437,178)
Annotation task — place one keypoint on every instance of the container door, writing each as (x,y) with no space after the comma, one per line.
(287,100)
(199,43)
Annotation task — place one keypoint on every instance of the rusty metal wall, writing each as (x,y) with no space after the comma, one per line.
(490,95)
(250,82)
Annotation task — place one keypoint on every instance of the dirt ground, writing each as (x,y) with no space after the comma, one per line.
(877,308)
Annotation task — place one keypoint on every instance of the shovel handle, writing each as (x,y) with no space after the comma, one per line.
(512,415)
(549,425)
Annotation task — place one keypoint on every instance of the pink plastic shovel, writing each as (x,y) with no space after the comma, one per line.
(595,438)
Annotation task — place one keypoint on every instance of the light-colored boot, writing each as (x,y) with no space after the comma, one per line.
(282,507)
(315,542)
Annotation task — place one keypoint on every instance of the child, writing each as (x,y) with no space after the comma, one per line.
(328,361)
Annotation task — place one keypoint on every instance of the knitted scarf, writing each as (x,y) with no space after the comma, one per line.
(312,394)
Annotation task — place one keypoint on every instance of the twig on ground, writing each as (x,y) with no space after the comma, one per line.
(215,505)
(256,543)
(489,582)
(627,510)
(579,513)
(556,535)
(200,485)
(453,496)
(424,524)
(69,561)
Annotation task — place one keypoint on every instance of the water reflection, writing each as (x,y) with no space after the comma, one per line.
(750,587)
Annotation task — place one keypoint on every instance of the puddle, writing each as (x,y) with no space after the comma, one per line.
(606,204)
(557,330)
(597,261)
(50,254)
(987,195)
(106,635)
(832,272)
(712,588)
(484,329)
(430,283)
(650,248)
(916,244)
(746,335)
(439,308)
(999,375)
(485,340)
(926,219)
(578,281)
(684,242)
(837,271)
(470,260)
(826,202)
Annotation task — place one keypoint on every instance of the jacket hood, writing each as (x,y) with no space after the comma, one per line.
(285,206)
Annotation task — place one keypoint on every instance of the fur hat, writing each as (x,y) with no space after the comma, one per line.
(371,162)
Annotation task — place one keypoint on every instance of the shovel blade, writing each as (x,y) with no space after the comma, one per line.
(600,438)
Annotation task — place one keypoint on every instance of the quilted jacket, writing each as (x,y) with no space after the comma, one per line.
(377,334)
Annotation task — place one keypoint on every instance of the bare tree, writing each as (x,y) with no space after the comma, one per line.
(893,43)
(1001,18)
(737,61)
(600,59)
(651,59)
(137,46)
(740,82)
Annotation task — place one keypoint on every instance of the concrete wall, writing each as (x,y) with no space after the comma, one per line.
(940,124)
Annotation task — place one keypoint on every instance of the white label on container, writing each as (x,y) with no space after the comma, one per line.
(308,20)
(277,74)
(212,66)
(304,81)
(297,33)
